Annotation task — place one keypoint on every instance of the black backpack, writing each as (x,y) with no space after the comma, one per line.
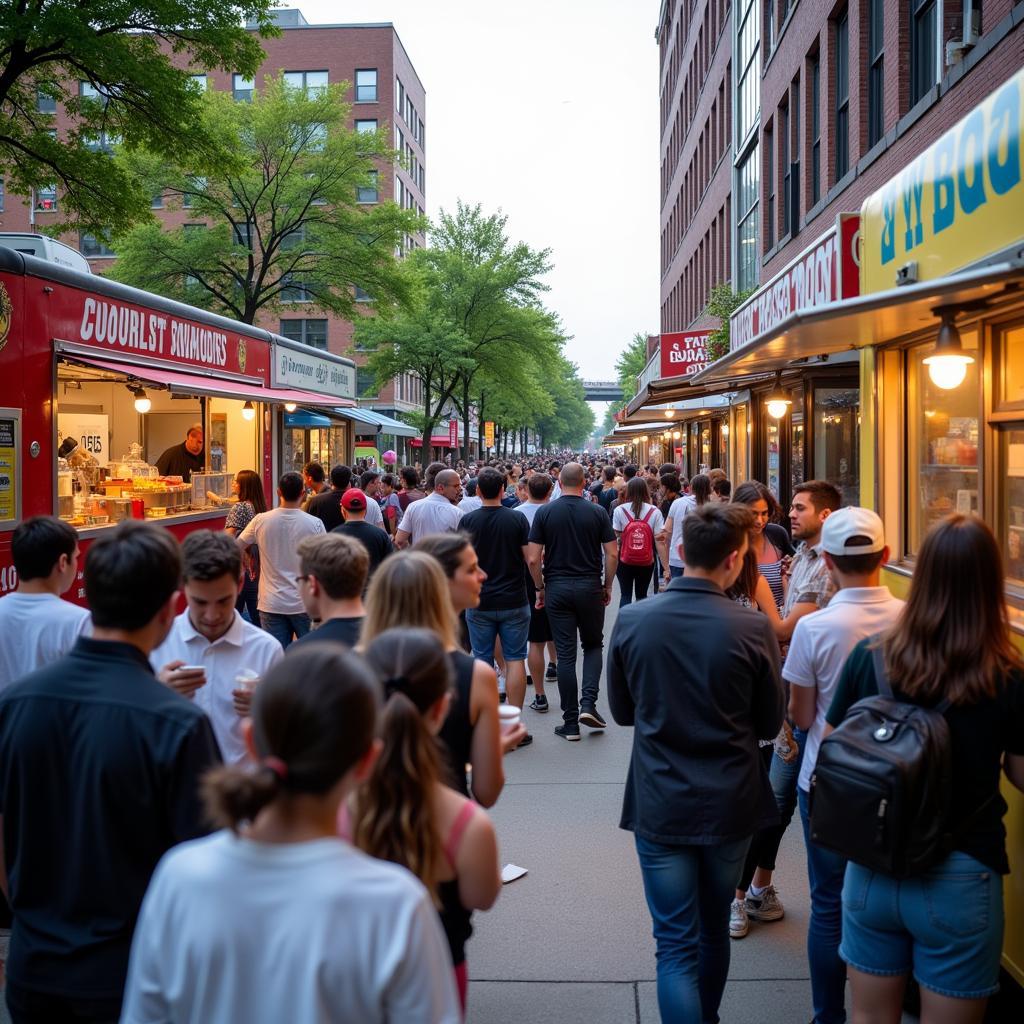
(880,792)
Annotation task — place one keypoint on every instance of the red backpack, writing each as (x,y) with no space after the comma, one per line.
(638,541)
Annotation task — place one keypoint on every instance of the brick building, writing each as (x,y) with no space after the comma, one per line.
(777,115)
(384,89)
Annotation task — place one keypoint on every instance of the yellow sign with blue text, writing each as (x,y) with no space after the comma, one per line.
(961,200)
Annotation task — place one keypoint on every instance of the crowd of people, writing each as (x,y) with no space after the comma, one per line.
(251,781)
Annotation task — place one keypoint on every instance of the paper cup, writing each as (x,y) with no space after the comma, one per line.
(509,716)
(246,680)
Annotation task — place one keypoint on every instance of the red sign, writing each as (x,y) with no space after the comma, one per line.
(453,433)
(824,272)
(684,353)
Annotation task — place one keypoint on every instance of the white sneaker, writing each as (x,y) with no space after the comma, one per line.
(739,924)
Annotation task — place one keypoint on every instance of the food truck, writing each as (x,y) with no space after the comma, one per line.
(99,380)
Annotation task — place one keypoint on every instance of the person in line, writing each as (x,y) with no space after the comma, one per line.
(410,491)
(539,487)
(500,539)
(430,476)
(335,569)
(414,594)
(210,645)
(36,626)
(437,513)
(405,812)
(571,541)
(721,490)
(635,571)
(952,642)
(471,502)
(314,480)
(369,484)
(854,548)
(355,940)
(326,505)
(696,787)
(186,458)
(389,505)
(119,758)
(699,494)
(276,535)
(771,544)
(354,506)
(247,487)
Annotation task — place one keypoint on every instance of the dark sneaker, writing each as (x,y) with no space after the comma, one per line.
(589,716)
(568,732)
(525,741)
(540,703)
(529,680)
(551,672)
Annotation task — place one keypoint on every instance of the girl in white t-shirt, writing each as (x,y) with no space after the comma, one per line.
(275,917)
(636,575)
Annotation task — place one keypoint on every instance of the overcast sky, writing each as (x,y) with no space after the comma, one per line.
(548,110)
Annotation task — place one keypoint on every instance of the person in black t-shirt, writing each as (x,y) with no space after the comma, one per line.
(186,458)
(334,571)
(609,492)
(376,541)
(571,542)
(326,505)
(500,536)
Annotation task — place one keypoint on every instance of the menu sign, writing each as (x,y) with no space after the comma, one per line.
(294,369)
(453,433)
(488,433)
(8,468)
(683,353)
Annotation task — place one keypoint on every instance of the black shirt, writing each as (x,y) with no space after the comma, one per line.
(373,538)
(606,496)
(339,631)
(179,461)
(499,536)
(572,531)
(326,506)
(99,777)
(979,734)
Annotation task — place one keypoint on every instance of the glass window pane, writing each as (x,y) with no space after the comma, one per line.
(797,437)
(1011,462)
(1012,359)
(773,463)
(316,82)
(943,443)
(292,329)
(294,79)
(837,440)
(369,125)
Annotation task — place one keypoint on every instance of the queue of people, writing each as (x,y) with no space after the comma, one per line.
(299,795)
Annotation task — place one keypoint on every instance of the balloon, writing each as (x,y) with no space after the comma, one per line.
(389,457)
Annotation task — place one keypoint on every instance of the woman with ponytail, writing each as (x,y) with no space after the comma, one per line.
(404,812)
(276,918)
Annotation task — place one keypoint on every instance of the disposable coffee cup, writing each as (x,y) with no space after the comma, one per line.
(509,716)
(246,680)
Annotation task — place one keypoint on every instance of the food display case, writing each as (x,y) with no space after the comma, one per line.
(210,490)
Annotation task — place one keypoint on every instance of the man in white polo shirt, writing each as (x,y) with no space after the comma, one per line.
(436,513)
(210,644)
(853,547)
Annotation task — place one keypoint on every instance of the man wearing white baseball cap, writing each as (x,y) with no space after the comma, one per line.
(853,546)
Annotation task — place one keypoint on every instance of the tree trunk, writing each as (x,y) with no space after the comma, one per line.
(465,419)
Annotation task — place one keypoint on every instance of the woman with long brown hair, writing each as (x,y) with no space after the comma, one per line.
(952,643)
(247,488)
(404,812)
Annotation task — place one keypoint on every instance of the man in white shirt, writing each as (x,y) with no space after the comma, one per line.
(853,547)
(277,534)
(369,484)
(673,533)
(36,626)
(210,645)
(471,502)
(436,513)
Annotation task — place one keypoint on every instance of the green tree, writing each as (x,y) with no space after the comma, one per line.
(572,420)
(137,59)
(630,365)
(281,221)
(722,303)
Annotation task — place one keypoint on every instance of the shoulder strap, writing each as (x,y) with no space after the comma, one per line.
(650,512)
(880,677)
(451,846)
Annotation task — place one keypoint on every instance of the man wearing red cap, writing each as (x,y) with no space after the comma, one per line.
(353,509)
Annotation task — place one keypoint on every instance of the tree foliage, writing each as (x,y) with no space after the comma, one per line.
(281,220)
(722,303)
(630,365)
(137,59)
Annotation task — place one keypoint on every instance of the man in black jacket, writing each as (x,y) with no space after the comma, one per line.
(698,675)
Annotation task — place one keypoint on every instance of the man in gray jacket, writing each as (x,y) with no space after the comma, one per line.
(698,676)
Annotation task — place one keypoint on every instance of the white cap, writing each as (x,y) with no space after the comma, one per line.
(853,523)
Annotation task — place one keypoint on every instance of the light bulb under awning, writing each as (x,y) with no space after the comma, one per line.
(248,411)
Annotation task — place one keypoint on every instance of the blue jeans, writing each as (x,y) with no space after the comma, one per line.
(512,625)
(689,890)
(284,627)
(825,873)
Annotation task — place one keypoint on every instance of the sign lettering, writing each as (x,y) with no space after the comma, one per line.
(683,353)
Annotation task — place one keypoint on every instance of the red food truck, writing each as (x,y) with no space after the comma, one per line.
(98,380)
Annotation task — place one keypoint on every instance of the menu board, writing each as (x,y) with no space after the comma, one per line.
(10,422)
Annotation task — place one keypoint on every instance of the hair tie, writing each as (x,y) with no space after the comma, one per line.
(395,684)
(277,766)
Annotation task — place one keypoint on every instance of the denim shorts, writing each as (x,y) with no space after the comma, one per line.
(945,925)
(511,624)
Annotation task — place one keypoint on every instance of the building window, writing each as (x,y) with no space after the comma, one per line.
(793,187)
(88,91)
(366,383)
(368,193)
(157,202)
(199,81)
(923,21)
(366,85)
(815,130)
(313,83)
(3,194)
(842,89)
(45,104)
(787,180)
(748,100)
(294,289)
(46,199)
(769,189)
(876,76)
(242,88)
(399,95)
(309,332)
(104,142)
(94,246)
(837,439)
(366,125)
(317,138)
(361,295)
(746,220)
(198,182)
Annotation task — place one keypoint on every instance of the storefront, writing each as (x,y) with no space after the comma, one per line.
(125,405)
(377,434)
